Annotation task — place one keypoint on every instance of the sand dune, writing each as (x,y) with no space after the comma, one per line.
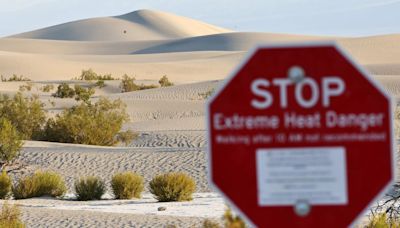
(138,25)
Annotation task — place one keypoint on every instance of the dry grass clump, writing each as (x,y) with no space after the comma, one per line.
(127,185)
(10,217)
(5,185)
(89,188)
(172,187)
(45,183)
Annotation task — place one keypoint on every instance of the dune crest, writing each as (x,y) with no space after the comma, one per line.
(134,26)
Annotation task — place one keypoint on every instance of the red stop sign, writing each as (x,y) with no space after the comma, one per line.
(300,136)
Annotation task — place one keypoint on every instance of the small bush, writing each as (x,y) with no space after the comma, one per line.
(92,124)
(5,185)
(64,91)
(47,88)
(210,224)
(128,84)
(89,75)
(10,142)
(89,188)
(172,187)
(40,184)
(10,217)
(100,84)
(382,221)
(233,221)
(164,81)
(26,114)
(83,94)
(15,78)
(127,185)
(27,87)
(126,137)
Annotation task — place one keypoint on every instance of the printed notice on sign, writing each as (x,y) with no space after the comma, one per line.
(316,175)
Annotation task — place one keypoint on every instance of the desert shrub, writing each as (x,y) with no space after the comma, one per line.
(92,124)
(26,114)
(27,87)
(207,223)
(15,78)
(82,93)
(10,217)
(89,75)
(172,187)
(5,185)
(64,91)
(128,84)
(143,86)
(47,88)
(10,142)
(233,221)
(89,188)
(207,94)
(40,184)
(127,185)
(164,81)
(382,221)
(100,84)
(126,137)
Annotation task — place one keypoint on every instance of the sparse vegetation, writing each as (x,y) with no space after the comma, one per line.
(64,91)
(14,78)
(207,223)
(47,88)
(90,75)
(172,187)
(207,94)
(10,143)
(100,84)
(26,114)
(10,216)
(40,184)
(92,124)
(127,185)
(89,188)
(164,81)
(126,137)
(382,221)
(27,87)
(233,221)
(83,94)
(128,84)
(5,185)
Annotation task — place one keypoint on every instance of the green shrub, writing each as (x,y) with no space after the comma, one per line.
(64,91)
(10,217)
(100,84)
(5,185)
(143,86)
(172,187)
(382,221)
(128,84)
(26,114)
(207,223)
(47,88)
(92,124)
(83,94)
(127,185)
(89,188)
(164,81)
(10,143)
(27,87)
(15,78)
(40,184)
(89,75)
(126,137)
(233,221)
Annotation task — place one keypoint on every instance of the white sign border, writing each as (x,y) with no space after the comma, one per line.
(347,56)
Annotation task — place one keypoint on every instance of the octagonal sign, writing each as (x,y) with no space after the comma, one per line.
(300,136)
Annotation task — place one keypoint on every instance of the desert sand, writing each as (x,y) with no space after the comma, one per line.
(170,121)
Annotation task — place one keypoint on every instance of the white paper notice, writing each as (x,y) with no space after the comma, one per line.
(316,175)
